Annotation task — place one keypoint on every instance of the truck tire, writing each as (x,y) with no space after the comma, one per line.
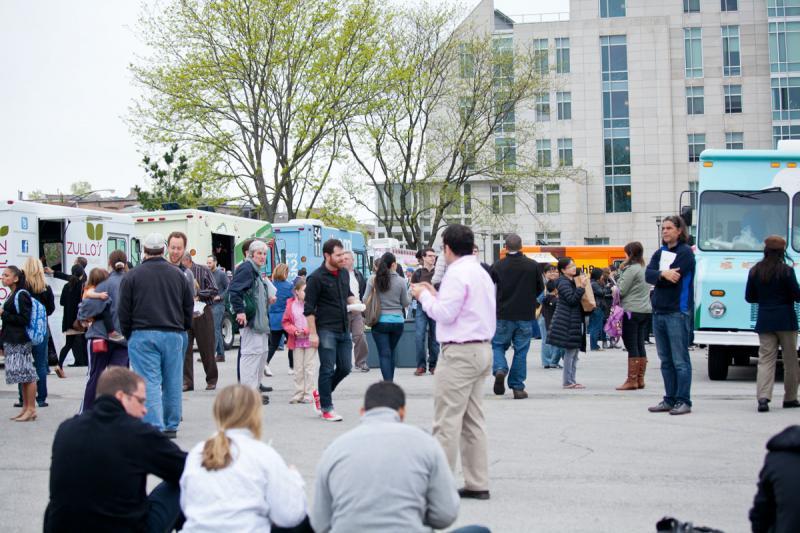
(718,361)
(227,332)
(741,359)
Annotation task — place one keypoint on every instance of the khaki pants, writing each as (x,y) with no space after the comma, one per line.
(767,359)
(360,349)
(254,348)
(458,409)
(305,373)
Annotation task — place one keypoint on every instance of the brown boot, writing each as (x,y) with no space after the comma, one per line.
(642,368)
(633,371)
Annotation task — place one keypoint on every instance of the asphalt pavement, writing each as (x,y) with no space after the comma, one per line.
(562,460)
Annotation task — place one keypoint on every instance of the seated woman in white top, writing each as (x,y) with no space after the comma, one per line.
(235,482)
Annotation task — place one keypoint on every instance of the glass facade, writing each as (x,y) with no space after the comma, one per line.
(562,55)
(731,61)
(785,98)
(733,98)
(616,124)
(784,46)
(693,52)
(695,100)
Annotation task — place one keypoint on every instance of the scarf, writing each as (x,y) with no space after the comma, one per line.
(260,322)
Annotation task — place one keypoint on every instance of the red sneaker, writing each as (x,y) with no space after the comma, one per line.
(419,371)
(331,416)
(315,402)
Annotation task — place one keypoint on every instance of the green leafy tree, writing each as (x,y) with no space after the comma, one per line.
(263,85)
(174,180)
(335,211)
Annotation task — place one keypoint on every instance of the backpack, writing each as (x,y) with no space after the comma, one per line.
(37,327)
(613,327)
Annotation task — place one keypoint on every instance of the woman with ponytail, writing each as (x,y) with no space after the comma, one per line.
(234,481)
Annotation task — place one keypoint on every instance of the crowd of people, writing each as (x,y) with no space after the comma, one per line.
(468,315)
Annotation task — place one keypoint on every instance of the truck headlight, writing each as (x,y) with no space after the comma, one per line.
(717,309)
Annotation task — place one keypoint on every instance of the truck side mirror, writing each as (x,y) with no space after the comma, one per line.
(686,214)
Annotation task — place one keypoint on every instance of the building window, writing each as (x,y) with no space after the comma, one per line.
(733,98)
(459,210)
(618,194)
(564,105)
(562,55)
(734,140)
(784,45)
(549,238)
(543,157)
(548,198)
(780,133)
(697,143)
(540,53)
(503,200)
(505,119)
(695,104)
(693,52)
(691,6)
(498,243)
(731,63)
(505,152)
(468,155)
(542,107)
(596,241)
(616,122)
(783,8)
(466,62)
(565,152)
(729,5)
(617,156)
(785,98)
(612,8)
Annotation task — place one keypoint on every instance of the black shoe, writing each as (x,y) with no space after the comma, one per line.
(262,388)
(265,400)
(18,404)
(170,433)
(500,382)
(42,404)
(763,405)
(474,494)
(790,404)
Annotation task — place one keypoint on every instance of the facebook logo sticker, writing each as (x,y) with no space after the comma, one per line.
(24,246)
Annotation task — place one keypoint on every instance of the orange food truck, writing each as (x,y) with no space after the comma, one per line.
(586,257)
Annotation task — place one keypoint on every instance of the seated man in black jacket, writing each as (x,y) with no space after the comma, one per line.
(100,463)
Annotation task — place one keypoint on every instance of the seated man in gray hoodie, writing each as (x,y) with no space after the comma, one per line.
(384,475)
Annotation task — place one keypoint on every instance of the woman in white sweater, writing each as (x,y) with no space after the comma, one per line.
(235,482)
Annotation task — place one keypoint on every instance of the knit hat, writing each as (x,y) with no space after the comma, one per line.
(775,242)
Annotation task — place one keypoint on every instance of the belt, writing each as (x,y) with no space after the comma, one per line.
(468,342)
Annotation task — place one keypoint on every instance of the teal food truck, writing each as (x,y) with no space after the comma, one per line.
(743,196)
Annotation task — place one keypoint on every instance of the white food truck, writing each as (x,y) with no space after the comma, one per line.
(58,235)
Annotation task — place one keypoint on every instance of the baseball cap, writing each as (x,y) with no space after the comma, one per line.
(154,241)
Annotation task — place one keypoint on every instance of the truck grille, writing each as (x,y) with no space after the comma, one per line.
(753,314)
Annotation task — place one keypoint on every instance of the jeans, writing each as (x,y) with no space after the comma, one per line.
(218,310)
(425,324)
(157,356)
(547,350)
(518,333)
(335,351)
(596,322)
(672,344)
(536,331)
(634,333)
(386,336)
(163,508)
(117,355)
(42,368)
(570,366)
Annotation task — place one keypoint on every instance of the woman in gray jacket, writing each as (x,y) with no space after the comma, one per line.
(634,295)
(393,293)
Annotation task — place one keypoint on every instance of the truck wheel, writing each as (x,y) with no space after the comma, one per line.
(227,332)
(742,359)
(718,361)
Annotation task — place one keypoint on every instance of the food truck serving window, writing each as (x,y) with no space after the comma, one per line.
(741,220)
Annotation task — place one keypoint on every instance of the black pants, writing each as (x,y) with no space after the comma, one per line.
(634,333)
(69,344)
(274,342)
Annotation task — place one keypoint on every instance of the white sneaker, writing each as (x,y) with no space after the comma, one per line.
(267,371)
(291,372)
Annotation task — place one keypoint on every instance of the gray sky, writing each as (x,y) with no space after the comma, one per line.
(66,89)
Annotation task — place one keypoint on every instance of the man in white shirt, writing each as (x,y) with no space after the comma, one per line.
(355,314)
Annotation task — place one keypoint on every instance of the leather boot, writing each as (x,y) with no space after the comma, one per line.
(642,368)
(633,371)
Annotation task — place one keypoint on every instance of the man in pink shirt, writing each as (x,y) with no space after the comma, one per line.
(464,311)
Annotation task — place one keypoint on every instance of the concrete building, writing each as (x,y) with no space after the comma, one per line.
(641,88)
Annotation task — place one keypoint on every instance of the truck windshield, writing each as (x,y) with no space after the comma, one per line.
(741,220)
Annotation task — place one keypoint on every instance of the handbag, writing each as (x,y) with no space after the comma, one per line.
(99,346)
(373,311)
(613,326)
(587,300)
(78,327)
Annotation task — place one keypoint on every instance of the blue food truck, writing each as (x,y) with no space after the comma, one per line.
(743,196)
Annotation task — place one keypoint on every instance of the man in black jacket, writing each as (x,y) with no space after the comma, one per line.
(519,283)
(155,311)
(776,507)
(100,463)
